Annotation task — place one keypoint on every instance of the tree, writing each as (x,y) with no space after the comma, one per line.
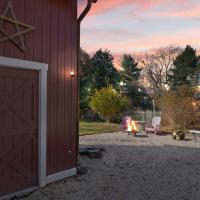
(185,66)
(108,102)
(130,72)
(85,63)
(156,68)
(103,70)
(85,79)
(129,76)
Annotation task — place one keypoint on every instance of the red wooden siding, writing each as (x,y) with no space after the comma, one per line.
(54,42)
(19,98)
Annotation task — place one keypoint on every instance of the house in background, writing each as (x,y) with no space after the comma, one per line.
(39,45)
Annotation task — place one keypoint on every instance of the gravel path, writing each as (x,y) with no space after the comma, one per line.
(133,168)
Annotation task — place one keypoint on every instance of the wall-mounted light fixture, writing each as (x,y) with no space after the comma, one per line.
(72,74)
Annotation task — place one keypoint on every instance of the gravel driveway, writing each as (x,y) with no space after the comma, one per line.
(133,168)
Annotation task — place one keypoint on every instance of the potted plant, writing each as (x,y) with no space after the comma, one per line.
(179,135)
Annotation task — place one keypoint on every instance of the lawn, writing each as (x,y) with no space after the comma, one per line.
(91,128)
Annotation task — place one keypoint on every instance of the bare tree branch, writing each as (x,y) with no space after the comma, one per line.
(156,67)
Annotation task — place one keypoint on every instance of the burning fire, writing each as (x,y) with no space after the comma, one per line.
(131,126)
(134,126)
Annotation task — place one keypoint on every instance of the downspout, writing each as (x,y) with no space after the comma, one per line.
(85,12)
(80,19)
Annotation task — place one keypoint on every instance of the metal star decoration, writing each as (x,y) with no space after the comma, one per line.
(21,28)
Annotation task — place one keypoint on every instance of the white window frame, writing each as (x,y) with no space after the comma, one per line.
(42,68)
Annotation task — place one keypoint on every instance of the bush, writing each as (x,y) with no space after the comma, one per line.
(177,109)
(108,103)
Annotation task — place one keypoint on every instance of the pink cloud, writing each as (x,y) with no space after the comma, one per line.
(135,40)
(180,38)
(181,8)
(107,5)
(117,34)
(189,13)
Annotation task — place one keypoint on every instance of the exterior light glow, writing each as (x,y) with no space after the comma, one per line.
(122,83)
(167,87)
(72,74)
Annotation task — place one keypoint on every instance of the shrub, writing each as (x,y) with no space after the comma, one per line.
(108,103)
(177,109)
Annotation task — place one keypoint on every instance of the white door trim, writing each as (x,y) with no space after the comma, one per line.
(61,175)
(42,69)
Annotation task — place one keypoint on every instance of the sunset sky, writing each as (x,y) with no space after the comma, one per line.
(136,26)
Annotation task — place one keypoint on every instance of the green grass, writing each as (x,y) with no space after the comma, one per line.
(91,128)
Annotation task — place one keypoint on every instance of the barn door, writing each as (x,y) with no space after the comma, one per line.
(19,97)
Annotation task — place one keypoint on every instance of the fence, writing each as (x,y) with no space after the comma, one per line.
(144,115)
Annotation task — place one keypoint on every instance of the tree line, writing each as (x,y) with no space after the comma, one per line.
(139,79)
(170,67)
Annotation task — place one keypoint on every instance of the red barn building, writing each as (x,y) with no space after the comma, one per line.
(39,45)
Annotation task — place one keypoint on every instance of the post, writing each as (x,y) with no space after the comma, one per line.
(154,108)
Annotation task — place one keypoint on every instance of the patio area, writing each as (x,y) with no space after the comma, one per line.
(132,168)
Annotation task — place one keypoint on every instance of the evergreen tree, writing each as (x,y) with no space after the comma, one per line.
(130,72)
(129,75)
(85,79)
(185,68)
(85,63)
(103,71)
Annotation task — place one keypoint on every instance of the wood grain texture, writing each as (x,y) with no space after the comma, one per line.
(19,97)
(53,42)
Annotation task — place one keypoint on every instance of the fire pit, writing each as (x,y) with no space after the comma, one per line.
(132,127)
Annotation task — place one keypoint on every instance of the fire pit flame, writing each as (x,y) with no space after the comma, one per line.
(131,126)
(134,126)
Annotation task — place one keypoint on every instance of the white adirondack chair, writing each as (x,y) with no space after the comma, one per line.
(154,126)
